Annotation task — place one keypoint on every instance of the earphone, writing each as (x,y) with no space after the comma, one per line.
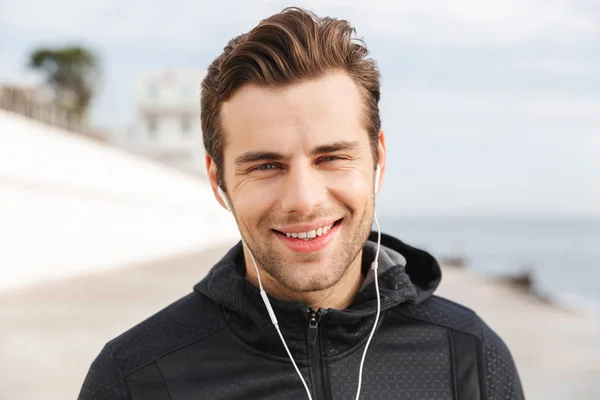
(377,176)
(374,267)
(223,197)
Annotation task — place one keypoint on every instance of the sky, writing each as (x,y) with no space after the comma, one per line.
(489,107)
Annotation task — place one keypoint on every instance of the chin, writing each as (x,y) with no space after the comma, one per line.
(313,280)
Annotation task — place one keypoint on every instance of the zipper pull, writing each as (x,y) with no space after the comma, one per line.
(313,324)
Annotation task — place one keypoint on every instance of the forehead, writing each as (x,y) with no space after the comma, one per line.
(310,113)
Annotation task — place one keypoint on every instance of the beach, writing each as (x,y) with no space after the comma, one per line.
(52,331)
(557,351)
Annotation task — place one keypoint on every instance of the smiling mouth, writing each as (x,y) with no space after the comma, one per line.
(312,234)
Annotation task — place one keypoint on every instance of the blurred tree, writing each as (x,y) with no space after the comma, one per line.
(73,72)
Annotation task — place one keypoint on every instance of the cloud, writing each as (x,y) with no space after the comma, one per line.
(139,22)
(427,22)
(561,107)
(453,151)
(463,110)
(474,23)
(554,65)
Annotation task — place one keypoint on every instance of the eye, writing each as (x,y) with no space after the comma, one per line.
(330,158)
(265,167)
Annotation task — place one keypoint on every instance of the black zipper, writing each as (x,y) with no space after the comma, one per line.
(314,355)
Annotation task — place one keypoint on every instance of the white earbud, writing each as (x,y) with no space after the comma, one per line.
(223,197)
(377,175)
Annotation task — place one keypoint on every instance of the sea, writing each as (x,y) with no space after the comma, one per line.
(561,253)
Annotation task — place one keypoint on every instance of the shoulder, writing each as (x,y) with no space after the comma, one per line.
(442,312)
(501,376)
(186,321)
(450,315)
(459,319)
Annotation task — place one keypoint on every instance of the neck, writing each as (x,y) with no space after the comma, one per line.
(339,296)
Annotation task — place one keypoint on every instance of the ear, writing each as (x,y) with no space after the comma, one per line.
(377,177)
(211,171)
(381,152)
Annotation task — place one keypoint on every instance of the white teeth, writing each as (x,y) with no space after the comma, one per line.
(310,234)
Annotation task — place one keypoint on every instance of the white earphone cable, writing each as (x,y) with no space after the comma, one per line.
(374,266)
(265,298)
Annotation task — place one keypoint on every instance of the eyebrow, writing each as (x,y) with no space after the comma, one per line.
(254,156)
(336,146)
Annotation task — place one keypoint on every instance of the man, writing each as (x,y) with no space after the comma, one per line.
(296,152)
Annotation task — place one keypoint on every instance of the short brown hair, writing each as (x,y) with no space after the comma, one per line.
(284,49)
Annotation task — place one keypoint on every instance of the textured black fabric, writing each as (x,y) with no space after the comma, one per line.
(223,368)
(465,359)
(409,363)
(218,343)
(104,380)
(502,380)
(148,384)
(184,322)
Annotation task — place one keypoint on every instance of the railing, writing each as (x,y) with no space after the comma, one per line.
(28,103)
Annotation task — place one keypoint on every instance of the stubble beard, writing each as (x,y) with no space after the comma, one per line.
(289,273)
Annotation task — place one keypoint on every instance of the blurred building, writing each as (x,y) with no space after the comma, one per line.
(167,127)
(39,103)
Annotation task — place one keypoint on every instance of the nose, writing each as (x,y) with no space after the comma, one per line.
(303,190)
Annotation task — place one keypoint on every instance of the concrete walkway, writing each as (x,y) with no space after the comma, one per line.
(557,352)
(51,333)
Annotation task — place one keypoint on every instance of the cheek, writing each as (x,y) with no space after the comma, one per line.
(351,187)
(253,202)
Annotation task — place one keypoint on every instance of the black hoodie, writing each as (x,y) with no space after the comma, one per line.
(219,343)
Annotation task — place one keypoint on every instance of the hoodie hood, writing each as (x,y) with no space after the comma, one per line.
(406,274)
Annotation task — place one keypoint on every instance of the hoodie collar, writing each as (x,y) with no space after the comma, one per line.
(406,274)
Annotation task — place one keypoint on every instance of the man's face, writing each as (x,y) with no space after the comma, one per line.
(299,170)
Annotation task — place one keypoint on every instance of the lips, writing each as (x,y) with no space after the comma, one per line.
(308,234)
(308,244)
